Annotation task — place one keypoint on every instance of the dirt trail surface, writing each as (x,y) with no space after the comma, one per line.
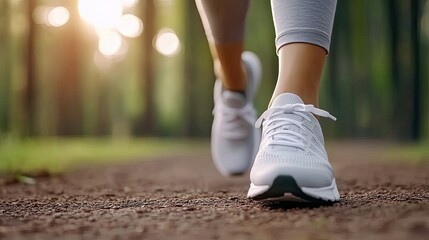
(183,197)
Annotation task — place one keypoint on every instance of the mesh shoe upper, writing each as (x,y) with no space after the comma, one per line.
(234,138)
(292,144)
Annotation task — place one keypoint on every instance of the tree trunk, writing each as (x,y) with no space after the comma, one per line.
(29,91)
(146,121)
(404,20)
(417,90)
(5,73)
(69,121)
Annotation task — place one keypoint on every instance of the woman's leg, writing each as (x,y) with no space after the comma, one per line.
(292,159)
(303,33)
(300,69)
(224,23)
(234,138)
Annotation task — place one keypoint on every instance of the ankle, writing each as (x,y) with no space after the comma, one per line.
(235,80)
(308,97)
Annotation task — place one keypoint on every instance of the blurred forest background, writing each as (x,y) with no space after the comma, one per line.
(126,68)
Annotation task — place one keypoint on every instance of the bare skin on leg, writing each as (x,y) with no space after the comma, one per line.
(228,65)
(300,70)
(224,23)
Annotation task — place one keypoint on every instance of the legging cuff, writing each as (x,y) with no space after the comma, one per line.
(303,35)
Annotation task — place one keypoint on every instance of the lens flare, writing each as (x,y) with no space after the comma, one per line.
(167,43)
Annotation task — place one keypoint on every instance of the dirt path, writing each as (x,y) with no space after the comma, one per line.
(185,198)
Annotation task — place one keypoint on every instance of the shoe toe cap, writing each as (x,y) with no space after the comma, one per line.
(304,176)
(232,157)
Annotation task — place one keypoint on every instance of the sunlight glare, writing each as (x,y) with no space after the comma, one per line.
(130,26)
(101,13)
(167,43)
(129,3)
(58,16)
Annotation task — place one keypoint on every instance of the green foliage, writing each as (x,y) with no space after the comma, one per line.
(370,81)
(415,153)
(54,155)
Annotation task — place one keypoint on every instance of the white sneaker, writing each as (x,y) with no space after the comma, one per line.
(234,139)
(292,163)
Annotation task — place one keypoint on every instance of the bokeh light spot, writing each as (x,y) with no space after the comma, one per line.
(58,16)
(130,25)
(167,43)
(40,15)
(110,43)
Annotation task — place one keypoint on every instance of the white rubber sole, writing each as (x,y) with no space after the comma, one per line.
(284,188)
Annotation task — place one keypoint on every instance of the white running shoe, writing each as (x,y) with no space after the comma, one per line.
(292,163)
(234,138)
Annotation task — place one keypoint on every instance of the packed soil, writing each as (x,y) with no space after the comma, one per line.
(183,197)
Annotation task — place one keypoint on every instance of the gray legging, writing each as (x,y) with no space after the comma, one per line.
(307,21)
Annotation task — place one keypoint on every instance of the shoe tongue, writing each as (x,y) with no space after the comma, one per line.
(233,99)
(286,98)
(280,101)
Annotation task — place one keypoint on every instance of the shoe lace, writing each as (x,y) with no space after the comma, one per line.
(235,119)
(277,126)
